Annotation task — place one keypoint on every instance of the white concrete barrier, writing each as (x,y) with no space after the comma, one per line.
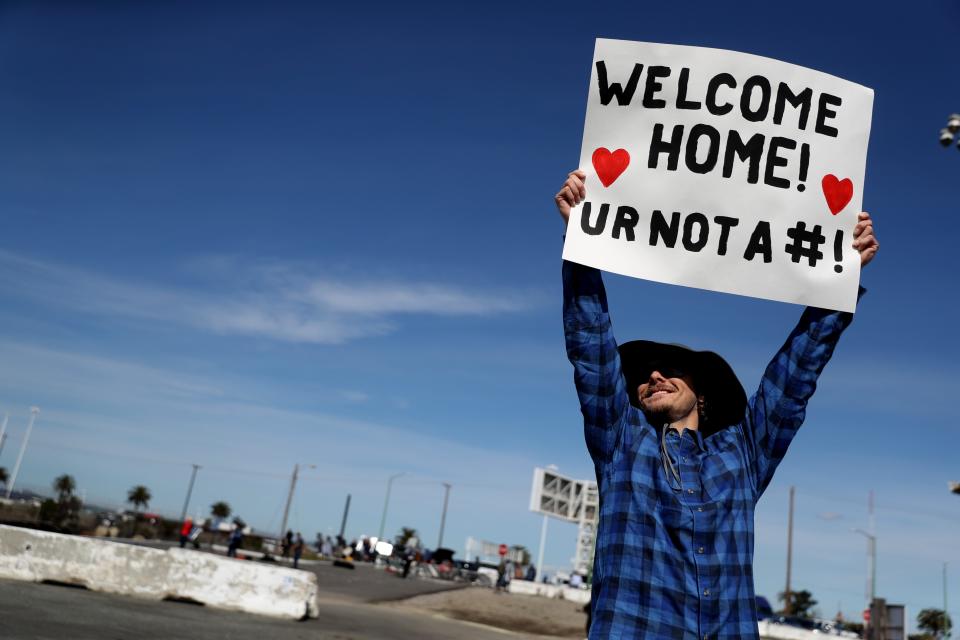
(770,630)
(243,585)
(524,587)
(99,565)
(26,554)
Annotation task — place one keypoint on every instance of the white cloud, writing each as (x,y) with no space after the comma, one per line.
(277,301)
(373,299)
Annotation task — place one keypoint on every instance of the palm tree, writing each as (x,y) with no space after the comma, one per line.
(406,535)
(67,505)
(220,510)
(64,485)
(139,496)
(934,622)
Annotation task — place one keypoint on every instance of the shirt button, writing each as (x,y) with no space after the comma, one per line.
(699,549)
(699,508)
(690,491)
(683,458)
(706,592)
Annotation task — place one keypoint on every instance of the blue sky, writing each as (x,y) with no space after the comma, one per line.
(248,236)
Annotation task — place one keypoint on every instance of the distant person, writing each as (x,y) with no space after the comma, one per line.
(576,580)
(185,530)
(195,536)
(286,544)
(531,573)
(236,539)
(503,575)
(328,547)
(297,550)
(407,562)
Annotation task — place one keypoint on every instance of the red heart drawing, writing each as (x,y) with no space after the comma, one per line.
(609,165)
(837,192)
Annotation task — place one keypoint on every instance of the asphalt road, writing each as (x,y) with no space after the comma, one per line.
(52,612)
(366,584)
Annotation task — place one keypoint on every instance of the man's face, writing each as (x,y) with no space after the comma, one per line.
(671,400)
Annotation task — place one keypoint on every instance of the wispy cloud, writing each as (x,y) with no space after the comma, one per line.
(113,422)
(277,301)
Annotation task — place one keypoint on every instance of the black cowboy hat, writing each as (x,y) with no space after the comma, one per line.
(725,399)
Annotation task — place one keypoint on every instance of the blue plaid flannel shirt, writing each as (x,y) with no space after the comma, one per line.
(677,561)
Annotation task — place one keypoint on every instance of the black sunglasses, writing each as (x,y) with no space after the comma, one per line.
(673,370)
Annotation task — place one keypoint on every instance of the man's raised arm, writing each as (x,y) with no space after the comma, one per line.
(590,343)
(777,410)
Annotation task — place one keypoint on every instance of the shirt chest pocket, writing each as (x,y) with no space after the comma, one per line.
(723,475)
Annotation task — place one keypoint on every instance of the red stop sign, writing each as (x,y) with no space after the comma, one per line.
(502,550)
(866,615)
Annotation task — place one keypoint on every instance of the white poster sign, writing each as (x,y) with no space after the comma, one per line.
(724,171)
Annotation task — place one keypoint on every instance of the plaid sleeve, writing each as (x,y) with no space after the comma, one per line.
(776,411)
(596,363)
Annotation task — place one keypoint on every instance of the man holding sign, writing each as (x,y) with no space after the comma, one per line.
(681,455)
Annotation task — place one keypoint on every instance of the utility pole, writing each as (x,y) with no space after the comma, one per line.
(23,449)
(343,523)
(946,617)
(873,553)
(186,503)
(787,597)
(3,431)
(443,517)
(383,518)
(293,486)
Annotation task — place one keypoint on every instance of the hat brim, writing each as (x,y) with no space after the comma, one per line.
(713,378)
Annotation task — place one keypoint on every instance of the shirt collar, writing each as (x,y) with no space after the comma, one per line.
(696,434)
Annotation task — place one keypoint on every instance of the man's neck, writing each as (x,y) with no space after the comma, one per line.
(691,421)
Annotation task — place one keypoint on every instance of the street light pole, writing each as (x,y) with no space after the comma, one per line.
(186,502)
(386,501)
(293,486)
(946,617)
(787,599)
(23,449)
(443,517)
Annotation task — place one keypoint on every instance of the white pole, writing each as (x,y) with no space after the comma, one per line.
(386,501)
(543,542)
(23,448)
